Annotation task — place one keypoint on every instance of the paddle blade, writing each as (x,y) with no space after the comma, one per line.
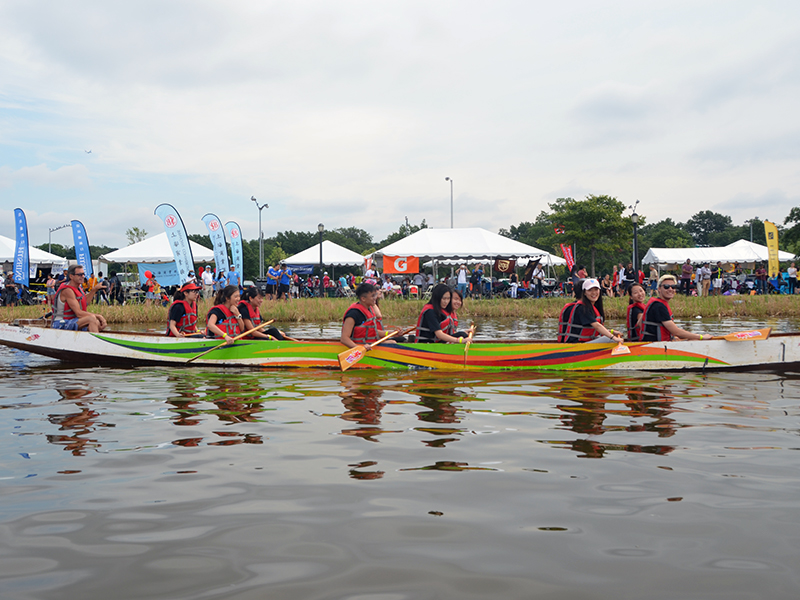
(351,356)
(620,349)
(746,336)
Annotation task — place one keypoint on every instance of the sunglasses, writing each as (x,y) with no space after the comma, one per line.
(80,274)
(669,287)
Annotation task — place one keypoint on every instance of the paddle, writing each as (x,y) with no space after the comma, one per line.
(468,342)
(352,355)
(620,349)
(238,337)
(745,336)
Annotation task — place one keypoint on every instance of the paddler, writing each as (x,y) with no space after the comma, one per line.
(182,319)
(635,315)
(450,326)
(249,308)
(588,316)
(565,317)
(658,323)
(224,320)
(360,324)
(434,315)
(71,303)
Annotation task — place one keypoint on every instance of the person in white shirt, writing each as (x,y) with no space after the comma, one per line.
(462,279)
(208,282)
(538,278)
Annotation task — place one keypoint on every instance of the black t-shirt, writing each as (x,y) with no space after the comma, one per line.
(635,312)
(244,310)
(656,313)
(432,323)
(356,315)
(176,312)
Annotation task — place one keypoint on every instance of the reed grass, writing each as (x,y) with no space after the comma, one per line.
(400,312)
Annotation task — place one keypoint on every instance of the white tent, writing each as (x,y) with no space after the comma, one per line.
(741,251)
(464,244)
(8,250)
(332,255)
(155,250)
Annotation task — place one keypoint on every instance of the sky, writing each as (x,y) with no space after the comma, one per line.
(352,113)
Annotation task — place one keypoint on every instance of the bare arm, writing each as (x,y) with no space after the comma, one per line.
(601,329)
(443,337)
(680,333)
(347,331)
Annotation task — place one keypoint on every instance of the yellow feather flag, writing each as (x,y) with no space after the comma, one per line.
(772,246)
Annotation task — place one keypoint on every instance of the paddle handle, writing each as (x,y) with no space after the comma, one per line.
(238,337)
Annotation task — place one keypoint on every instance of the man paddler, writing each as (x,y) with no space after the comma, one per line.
(71,302)
(182,320)
(658,323)
(360,324)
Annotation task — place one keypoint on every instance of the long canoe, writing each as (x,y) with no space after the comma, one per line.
(781,351)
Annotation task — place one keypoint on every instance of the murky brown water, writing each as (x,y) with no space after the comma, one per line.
(167,483)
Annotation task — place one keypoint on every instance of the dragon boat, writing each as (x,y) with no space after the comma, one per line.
(743,350)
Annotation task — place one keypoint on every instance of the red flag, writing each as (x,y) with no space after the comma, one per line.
(559,229)
(567,252)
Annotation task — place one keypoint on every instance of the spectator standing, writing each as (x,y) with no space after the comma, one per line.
(538,278)
(705,279)
(791,272)
(462,277)
(208,282)
(686,276)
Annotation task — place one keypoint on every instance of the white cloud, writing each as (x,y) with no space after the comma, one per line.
(70,176)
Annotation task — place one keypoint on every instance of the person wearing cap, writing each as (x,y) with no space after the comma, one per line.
(462,277)
(588,316)
(182,319)
(208,282)
(658,323)
(285,281)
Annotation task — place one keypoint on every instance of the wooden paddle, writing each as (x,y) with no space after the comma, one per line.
(352,355)
(745,336)
(238,337)
(468,342)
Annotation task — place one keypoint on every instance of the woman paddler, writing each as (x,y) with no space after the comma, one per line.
(360,324)
(182,319)
(434,315)
(565,317)
(588,316)
(252,299)
(450,325)
(635,317)
(224,320)
(657,321)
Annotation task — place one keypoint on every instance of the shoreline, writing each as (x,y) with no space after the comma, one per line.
(326,310)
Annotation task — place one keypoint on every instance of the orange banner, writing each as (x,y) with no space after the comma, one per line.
(400,264)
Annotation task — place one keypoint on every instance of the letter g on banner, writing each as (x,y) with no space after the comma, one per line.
(400,265)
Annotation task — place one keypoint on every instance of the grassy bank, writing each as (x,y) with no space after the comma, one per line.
(324,310)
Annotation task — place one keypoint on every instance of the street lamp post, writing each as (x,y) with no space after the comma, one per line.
(321,229)
(751,229)
(635,221)
(51,230)
(260,238)
(451,200)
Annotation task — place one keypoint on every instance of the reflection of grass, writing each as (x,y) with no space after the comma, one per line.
(397,312)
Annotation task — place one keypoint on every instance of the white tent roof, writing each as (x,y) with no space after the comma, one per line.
(740,251)
(8,250)
(155,250)
(332,254)
(466,243)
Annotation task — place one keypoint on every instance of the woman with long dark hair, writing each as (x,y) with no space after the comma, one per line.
(588,316)
(436,312)
(635,317)
(249,308)
(224,320)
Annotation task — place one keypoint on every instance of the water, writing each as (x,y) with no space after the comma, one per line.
(169,483)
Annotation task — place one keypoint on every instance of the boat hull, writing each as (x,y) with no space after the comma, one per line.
(780,352)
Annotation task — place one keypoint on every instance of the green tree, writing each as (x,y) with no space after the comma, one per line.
(594,225)
(405,230)
(134,234)
(664,234)
(704,224)
(534,233)
(352,238)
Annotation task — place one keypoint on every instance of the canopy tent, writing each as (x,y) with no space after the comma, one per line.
(464,244)
(36,257)
(741,251)
(155,250)
(332,255)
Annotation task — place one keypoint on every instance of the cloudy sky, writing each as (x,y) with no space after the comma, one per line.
(354,112)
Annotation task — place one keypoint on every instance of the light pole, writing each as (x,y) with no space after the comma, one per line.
(751,228)
(260,238)
(50,234)
(321,229)
(635,221)
(451,200)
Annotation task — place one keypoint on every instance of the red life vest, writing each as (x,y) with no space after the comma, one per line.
(63,310)
(450,323)
(564,320)
(423,333)
(368,331)
(188,322)
(255,316)
(230,324)
(577,333)
(635,333)
(653,331)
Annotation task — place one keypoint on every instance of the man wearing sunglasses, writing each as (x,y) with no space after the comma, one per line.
(71,302)
(658,323)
